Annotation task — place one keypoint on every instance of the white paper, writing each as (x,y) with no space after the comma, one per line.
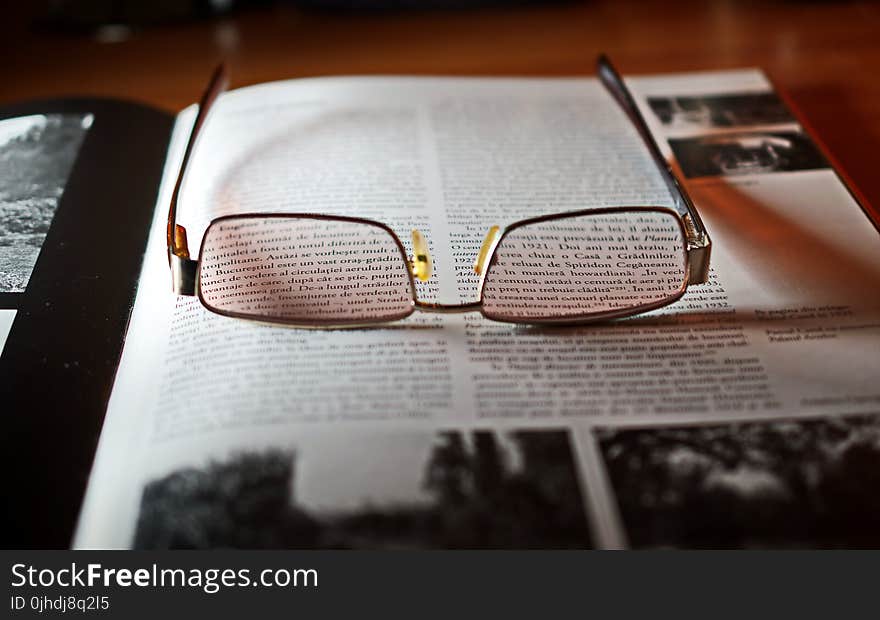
(6,318)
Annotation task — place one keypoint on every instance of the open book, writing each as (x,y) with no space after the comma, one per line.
(745,414)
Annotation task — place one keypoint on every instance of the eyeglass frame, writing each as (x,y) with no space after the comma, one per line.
(697,244)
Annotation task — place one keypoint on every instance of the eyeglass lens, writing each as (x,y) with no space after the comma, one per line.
(574,267)
(306,270)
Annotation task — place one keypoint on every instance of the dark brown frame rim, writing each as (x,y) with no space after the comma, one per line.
(318,323)
(477,306)
(592,317)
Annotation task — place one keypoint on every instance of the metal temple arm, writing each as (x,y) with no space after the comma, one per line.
(699,245)
(183,268)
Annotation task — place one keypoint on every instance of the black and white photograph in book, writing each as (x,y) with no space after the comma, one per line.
(405,489)
(810,483)
(37,153)
(736,110)
(736,154)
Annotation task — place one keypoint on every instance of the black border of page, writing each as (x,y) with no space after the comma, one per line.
(59,361)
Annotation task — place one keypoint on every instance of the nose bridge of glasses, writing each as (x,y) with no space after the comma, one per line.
(486,250)
(421,263)
(435,308)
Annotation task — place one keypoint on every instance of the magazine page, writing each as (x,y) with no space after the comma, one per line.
(456,431)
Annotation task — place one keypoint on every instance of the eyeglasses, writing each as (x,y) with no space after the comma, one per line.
(325,271)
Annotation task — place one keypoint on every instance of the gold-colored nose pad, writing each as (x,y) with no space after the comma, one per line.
(480,264)
(421,262)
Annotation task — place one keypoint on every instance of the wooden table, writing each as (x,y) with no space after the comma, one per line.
(825,55)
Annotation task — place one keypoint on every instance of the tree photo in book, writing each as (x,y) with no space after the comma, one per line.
(315,270)
(448,489)
(37,153)
(780,483)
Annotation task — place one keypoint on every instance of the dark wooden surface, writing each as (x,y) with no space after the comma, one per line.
(826,55)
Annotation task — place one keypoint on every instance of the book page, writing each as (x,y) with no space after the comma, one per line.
(6,318)
(434,430)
